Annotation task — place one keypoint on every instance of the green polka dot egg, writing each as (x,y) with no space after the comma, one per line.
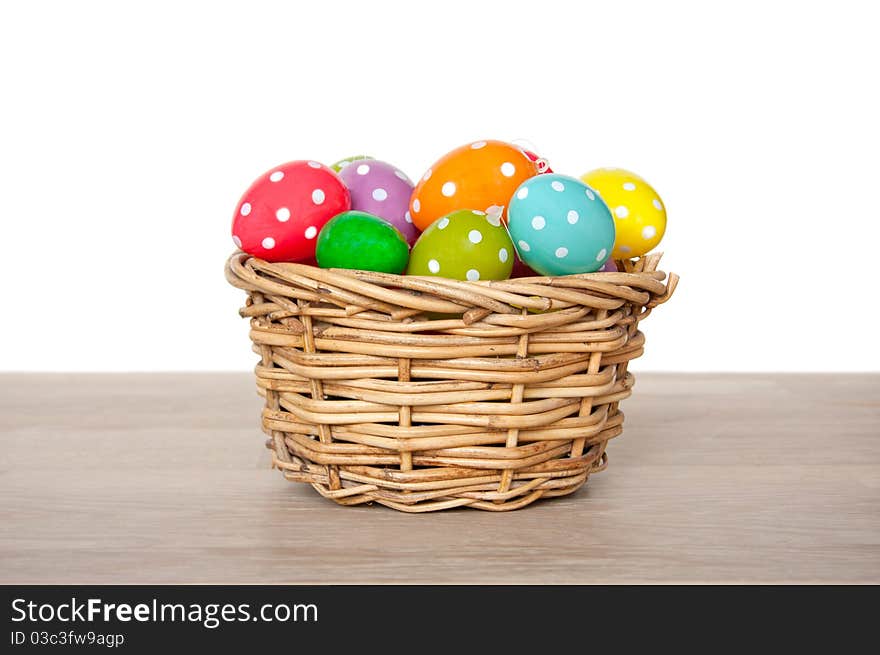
(358,240)
(463,245)
(342,163)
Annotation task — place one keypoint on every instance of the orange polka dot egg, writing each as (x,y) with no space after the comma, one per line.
(480,175)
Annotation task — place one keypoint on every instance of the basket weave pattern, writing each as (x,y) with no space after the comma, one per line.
(425,393)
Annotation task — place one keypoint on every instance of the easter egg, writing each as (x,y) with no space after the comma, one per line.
(543,164)
(521,270)
(463,245)
(608,267)
(560,226)
(383,190)
(358,240)
(342,163)
(477,176)
(281,213)
(639,214)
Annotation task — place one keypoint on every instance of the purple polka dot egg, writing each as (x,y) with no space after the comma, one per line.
(378,188)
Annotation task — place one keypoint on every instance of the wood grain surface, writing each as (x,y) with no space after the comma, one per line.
(163,478)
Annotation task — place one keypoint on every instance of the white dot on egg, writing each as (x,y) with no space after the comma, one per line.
(475,236)
(245,209)
(589,193)
(407,217)
(478,144)
(477,212)
(473,275)
(268,243)
(427,175)
(561,252)
(236,241)
(648,232)
(621,211)
(523,193)
(442,223)
(363,169)
(625,249)
(556,185)
(318,197)
(315,164)
(502,255)
(572,217)
(448,189)
(434,266)
(401,175)
(601,255)
(508,169)
(341,164)
(629,186)
(276,176)
(379,194)
(538,222)
(657,205)
(311,232)
(283,214)
(525,247)
(417,205)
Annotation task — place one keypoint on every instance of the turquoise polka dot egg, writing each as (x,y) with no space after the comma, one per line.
(560,226)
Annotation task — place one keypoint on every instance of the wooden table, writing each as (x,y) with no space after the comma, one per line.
(164,478)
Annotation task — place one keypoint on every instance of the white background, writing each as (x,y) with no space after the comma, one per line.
(129,131)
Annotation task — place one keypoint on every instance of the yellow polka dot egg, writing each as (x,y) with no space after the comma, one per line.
(639,213)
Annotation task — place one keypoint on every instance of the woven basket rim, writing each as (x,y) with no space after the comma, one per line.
(641,275)
(651,271)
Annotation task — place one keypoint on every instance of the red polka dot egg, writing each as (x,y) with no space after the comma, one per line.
(543,164)
(278,218)
(478,175)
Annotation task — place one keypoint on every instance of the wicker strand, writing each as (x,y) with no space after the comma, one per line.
(516,397)
(577,447)
(324,432)
(405,413)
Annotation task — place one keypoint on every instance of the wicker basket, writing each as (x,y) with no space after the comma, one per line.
(425,393)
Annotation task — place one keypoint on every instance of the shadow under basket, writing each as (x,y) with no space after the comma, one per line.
(424,393)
